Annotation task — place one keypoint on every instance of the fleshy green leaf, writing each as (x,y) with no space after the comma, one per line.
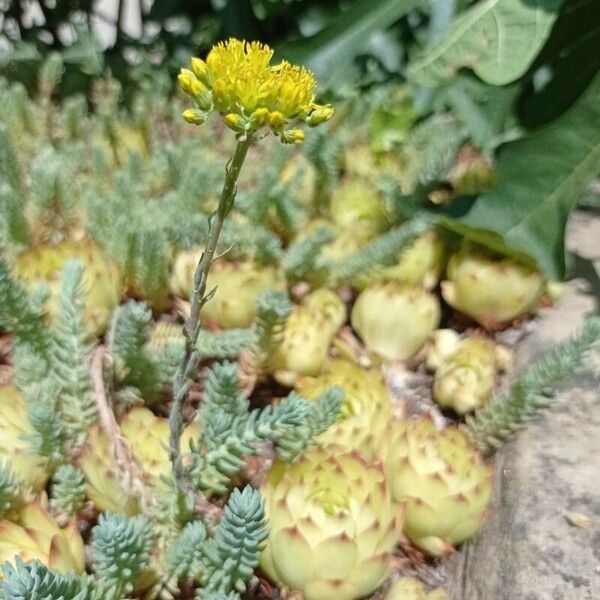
(541,178)
(331,52)
(498,39)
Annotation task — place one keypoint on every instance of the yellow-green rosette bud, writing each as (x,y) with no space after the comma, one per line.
(491,289)
(364,417)
(332,525)
(307,336)
(465,379)
(395,321)
(420,264)
(30,468)
(442,482)
(237,284)
(102,280)
(442,344)
(37,536)
(409,588)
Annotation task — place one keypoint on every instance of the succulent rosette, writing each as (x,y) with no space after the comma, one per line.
(365,414)
(333,525)
(307,336)
(394,321)
(147,438)
(409,588)
(31,469)
(237,287)
(37,536)
(491,289)
(420,264)
(442,482)
(102,280)
(356,205)
(466,379)
(441,345)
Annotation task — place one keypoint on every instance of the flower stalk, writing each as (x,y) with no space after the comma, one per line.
(198,298)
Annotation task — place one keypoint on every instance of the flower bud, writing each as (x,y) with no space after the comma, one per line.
(259,118)
(200,70)
(277,121)
(194,116)
(293,136)
(186,81)
(319,115)
(235,122)
(221,97)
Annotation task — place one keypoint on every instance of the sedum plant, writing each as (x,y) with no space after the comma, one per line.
(533,391)
(237,81)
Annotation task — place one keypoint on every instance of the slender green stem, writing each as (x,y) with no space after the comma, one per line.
(182,380)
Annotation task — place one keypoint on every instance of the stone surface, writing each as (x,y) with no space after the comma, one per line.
(529,550)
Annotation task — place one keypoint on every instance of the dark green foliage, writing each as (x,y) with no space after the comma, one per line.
(274,307)
(17,316)
(222,390)
(322,413)
(10,170)
(14,231)
(228,437)
(49,437)
(185,556)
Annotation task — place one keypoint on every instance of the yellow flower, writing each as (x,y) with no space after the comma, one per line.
(238,81)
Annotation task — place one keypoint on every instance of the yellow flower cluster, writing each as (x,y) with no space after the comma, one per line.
(238,81)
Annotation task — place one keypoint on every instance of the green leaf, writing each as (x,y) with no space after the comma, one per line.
(331,52)
(541,178)
(570,61)
(498,39)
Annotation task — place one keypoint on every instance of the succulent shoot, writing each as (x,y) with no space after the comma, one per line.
(395,321)
(442,482)
(332,525)
(491,289)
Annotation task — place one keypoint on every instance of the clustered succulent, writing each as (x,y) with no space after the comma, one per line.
(202,390)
